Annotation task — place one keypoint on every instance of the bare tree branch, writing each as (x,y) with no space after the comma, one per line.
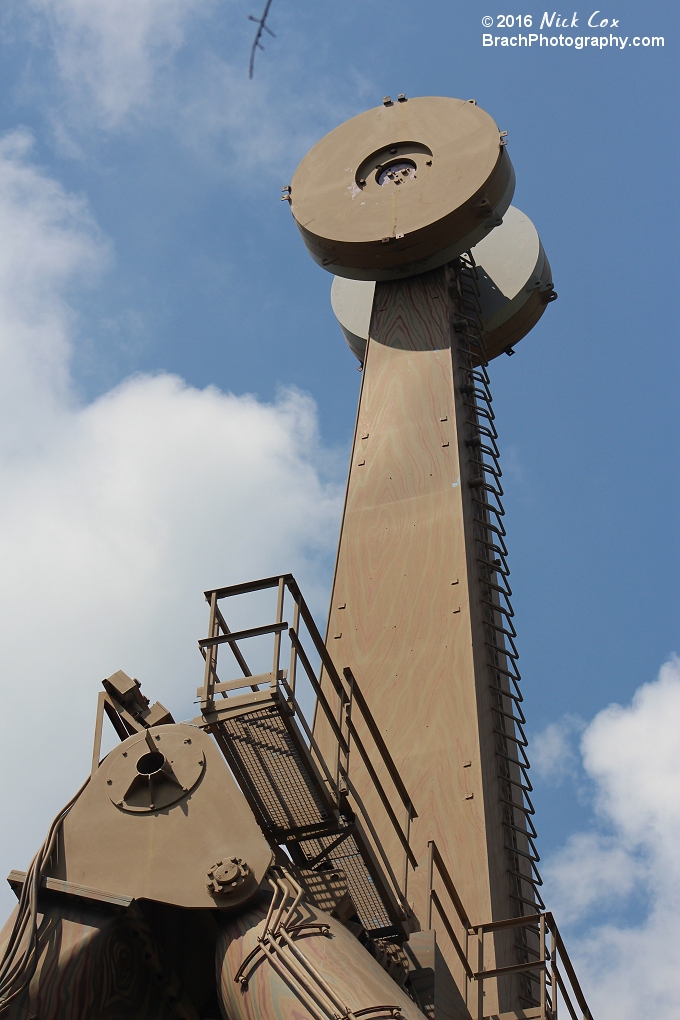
(261,28)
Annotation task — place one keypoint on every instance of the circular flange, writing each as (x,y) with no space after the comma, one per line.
(145,778)
(515,283)
(402,188)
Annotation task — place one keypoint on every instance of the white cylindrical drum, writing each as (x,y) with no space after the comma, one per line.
(515,283)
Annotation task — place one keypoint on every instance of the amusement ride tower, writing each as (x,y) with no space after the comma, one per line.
(420,608)
(377,862)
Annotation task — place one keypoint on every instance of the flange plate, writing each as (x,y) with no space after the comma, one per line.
(141,779)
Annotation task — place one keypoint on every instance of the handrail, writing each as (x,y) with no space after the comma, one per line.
(344,729)
(380,743)
(547,958)
(509,922)
(240,635)
(462,955)
(435,858)
(316,687)
(550,979)
(559,945)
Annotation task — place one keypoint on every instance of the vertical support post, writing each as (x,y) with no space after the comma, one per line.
(293,650)
(210,659)
(430,880)
(480,969)
(409,809)
(342,710)
(553,969)
(468,980)
(277,637)
(348,719)
(99,722)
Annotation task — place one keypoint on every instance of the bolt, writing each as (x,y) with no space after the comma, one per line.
(227,876)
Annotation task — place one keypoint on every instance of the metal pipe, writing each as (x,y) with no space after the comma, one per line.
(284,972)
(328,991)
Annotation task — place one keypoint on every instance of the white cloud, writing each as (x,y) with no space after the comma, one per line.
(553,756)
(182,66)
(632,755)
(591,870)
(49,244)
(116,515)
(109,52)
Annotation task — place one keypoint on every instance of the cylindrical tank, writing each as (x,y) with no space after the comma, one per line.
(286,988)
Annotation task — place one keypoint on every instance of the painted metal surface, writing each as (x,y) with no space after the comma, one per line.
(515,282)
(91,966)
(345,966)
(515,287)
(114,840)
(404,612)
(402,188)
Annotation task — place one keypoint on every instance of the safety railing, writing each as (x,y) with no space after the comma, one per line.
(436,868)
(355,735)
(550,969)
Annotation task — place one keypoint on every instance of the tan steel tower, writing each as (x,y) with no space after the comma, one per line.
(379,863)
(420,607)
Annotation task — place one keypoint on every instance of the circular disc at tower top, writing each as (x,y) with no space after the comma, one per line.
(515,285)
(402,188)
(515,282)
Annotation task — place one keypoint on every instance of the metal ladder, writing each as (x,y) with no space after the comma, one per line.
(497,613)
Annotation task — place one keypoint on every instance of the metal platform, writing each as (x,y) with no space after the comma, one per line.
(304,803)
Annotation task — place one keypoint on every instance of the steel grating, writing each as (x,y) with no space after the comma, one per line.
(347,858)
(273,773)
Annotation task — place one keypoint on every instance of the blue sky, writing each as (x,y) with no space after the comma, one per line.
(145,257)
